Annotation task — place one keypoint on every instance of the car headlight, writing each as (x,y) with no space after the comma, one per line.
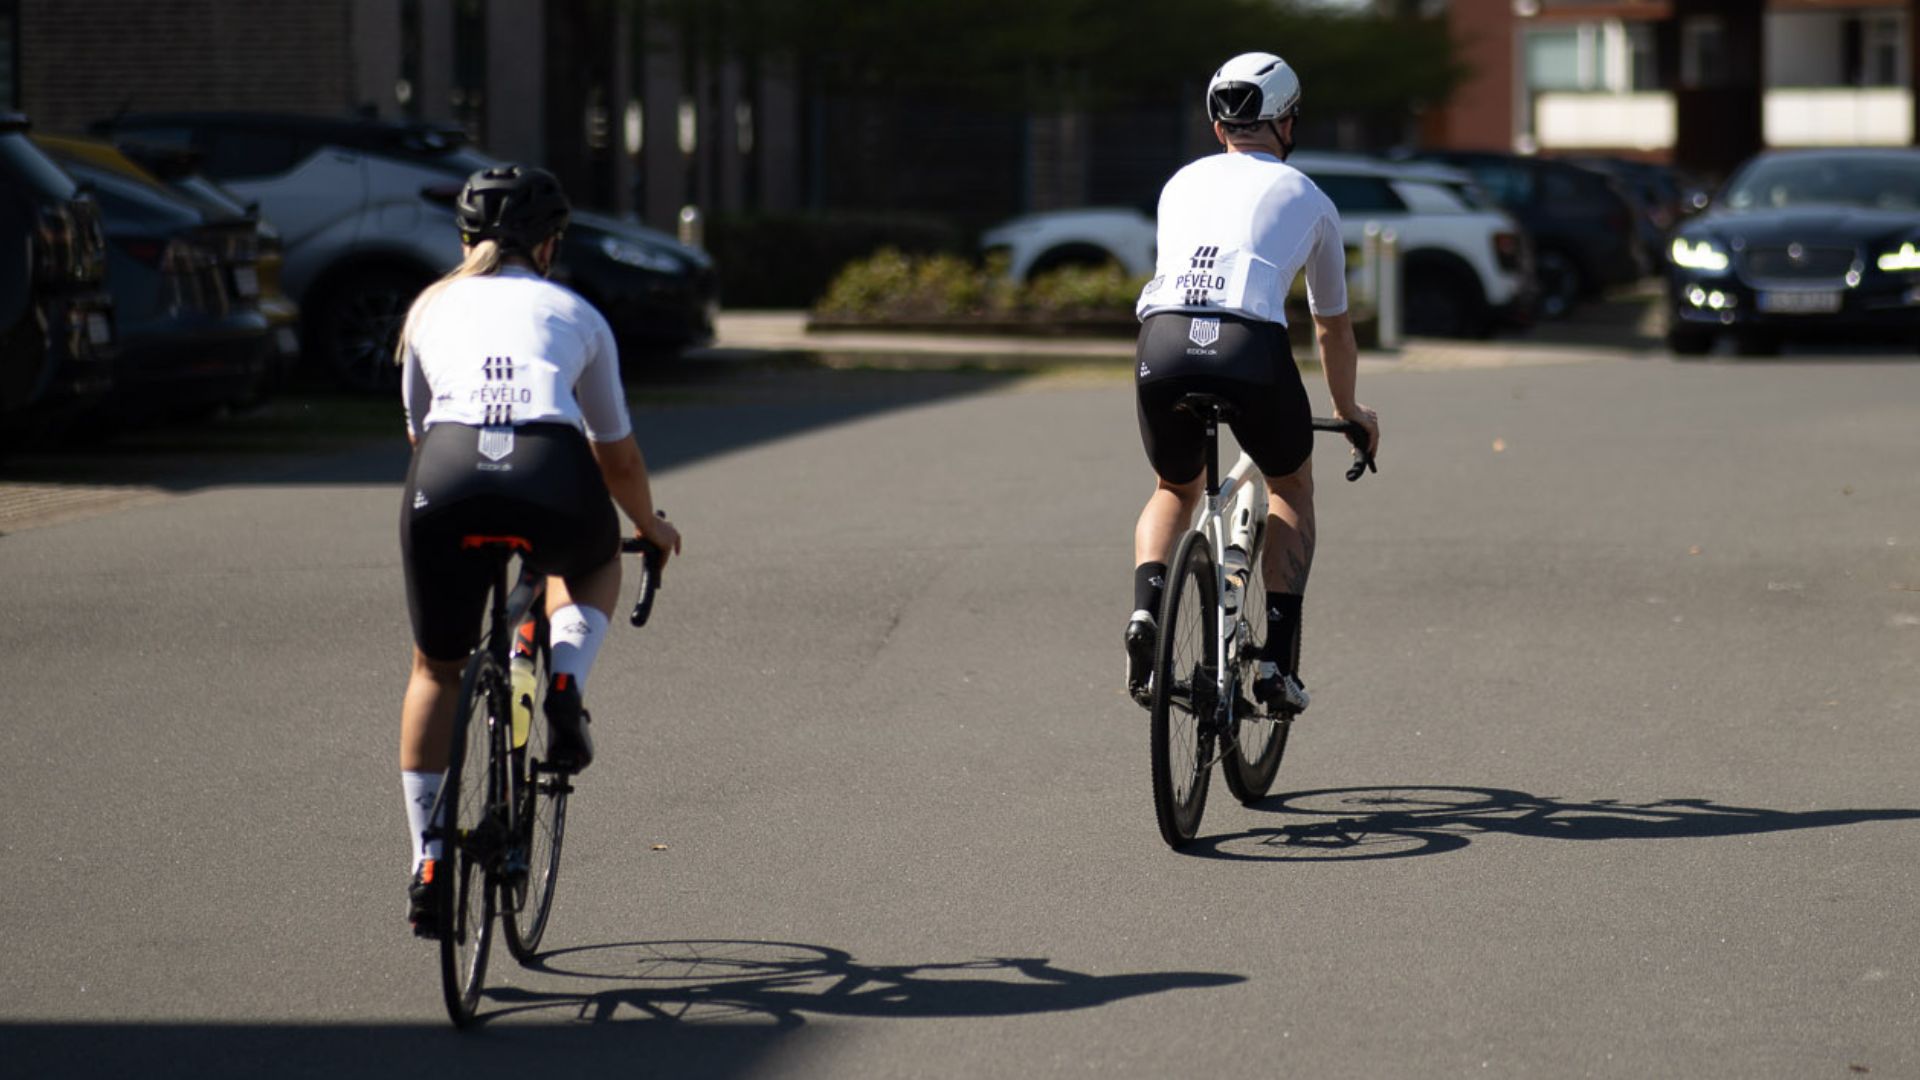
(628,253)
(1701,255)
(1906,259)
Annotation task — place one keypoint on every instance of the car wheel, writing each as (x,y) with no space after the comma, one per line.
(1560,283)
(1442,301)
(357,324)
(1689,341)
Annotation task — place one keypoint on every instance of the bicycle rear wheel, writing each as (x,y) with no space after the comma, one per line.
(473,835)
(1184,693)
(542,799)
(1259,741)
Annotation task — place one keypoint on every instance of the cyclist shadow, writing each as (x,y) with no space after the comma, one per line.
(694,982)
(1397,822)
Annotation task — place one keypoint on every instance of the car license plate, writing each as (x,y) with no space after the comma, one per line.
(99,330)
(1801,302)
(246,281)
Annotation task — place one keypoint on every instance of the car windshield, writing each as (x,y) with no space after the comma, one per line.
(1879,183)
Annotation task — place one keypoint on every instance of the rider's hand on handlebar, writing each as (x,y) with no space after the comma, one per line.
(1366,418)
(661,534)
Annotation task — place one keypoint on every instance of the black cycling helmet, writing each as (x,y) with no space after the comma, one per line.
(517,206)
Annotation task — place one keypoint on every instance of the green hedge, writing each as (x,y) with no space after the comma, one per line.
(892,286)
(789,260)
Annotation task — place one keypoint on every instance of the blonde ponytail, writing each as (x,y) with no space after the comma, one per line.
(483,259)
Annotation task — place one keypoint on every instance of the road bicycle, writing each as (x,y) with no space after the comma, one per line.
(501,818)
(1212,634)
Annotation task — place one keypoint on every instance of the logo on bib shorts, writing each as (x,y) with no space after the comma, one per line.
(1204,332)
(496,442)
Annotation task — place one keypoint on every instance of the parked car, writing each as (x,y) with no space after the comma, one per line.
(56,316)
(364,210)
(187,342)
(1583,226)
(253,261)
(1801,242)
(1465,268)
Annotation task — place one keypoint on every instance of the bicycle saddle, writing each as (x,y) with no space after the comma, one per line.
(1207,405)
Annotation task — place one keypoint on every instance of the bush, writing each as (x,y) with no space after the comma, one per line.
(789,260)
(892,286)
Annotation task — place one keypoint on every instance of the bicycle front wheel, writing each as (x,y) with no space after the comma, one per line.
(1258,741)
(1185,692)
(472,836)
(541,795)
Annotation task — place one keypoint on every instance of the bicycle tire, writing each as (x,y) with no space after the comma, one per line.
(1258,742)
(471,837)
(1183,691)
(542,795)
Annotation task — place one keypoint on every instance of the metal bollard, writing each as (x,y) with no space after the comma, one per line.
(692,226)
(1387,279)
(1370,264)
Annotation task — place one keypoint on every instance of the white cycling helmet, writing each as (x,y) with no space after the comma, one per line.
(1253,87)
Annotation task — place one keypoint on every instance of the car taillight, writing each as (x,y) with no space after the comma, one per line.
(147,251)
(56,245)
(1506,250)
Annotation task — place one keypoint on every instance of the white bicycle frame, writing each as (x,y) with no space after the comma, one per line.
(1232,517)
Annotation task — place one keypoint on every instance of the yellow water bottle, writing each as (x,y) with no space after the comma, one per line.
(523,690)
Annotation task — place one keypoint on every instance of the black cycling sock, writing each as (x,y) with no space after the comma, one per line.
(1149,581)
(1283,631)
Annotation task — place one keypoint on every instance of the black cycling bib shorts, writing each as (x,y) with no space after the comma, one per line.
(1249,363)
(534,481)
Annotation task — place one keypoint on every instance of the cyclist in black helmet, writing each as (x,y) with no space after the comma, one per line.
(1235,229)
(520,428)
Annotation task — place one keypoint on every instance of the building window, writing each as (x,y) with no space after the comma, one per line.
(1703,52)
(1882,48)
(1560,59)
(1643,60)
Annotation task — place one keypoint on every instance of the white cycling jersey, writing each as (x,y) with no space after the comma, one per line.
(512,348)
(1235,229)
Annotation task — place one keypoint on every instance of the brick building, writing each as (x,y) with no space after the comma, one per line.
(1703,83)
(70,62)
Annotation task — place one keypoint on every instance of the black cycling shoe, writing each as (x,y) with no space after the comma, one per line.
(1143,635)
(569,746)
(423,899)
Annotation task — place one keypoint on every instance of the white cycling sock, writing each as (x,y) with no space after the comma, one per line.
(577,633)
(422,788)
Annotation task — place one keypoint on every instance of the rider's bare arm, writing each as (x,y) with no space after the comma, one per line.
(625,472)
(1340,359)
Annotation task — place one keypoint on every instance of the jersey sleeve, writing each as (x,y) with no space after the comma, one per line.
(1327,267)
(603,400)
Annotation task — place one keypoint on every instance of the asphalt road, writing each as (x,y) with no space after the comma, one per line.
(1610,770)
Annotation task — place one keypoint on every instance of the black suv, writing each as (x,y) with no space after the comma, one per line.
(56,318)
(1585,229)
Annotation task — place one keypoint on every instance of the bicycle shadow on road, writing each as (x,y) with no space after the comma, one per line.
(1397,822)
(781,983)
(655,1008)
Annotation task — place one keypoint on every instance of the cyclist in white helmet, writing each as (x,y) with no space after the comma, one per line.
(1235,229)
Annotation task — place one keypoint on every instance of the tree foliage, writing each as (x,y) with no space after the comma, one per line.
(1053,55)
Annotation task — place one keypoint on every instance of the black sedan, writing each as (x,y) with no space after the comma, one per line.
(1809,243)
(188,343)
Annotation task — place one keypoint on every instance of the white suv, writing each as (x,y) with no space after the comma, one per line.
(1466,268)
